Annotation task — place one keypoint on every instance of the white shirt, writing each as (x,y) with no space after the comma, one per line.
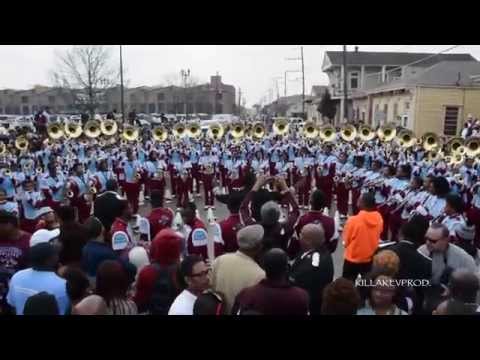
(183,304)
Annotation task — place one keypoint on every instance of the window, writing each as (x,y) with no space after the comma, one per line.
(34,109)
(363,115)
(407,105)
(24,99)
(161,97)
(395,111)
(450,122)
(61,108)
(219,109)
(219,96)
(26,110)
(160,107)
(385,111)
(51,99)
(354,80)
(189,96)
(151,108)
(190,108)
(1,110)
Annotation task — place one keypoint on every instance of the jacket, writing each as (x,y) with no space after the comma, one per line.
(361,236)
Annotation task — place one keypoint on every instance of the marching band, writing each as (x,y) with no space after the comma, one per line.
(408,174)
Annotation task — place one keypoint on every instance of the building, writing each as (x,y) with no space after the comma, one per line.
(312,104)
(368,70)
(211,98)
(289,106)
(437,98)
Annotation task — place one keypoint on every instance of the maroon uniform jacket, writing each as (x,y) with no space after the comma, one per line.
(229,228)
(316,217)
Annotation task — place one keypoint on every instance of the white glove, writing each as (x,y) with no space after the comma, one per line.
(421,210)
(398,197)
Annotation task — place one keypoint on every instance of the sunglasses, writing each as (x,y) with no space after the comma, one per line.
(432,241)
(203,273)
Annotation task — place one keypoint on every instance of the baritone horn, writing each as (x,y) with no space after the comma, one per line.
(328,133)
(55,131)
(387,133)
(215,131)
(92,129)
(280,126)
(109,127)
(159,134)
(348,133)
(472,147)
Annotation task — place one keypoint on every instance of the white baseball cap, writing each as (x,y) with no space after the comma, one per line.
(43,236)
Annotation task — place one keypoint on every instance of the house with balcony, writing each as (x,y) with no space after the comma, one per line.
(368,70)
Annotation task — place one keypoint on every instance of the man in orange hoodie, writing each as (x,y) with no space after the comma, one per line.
(361,236)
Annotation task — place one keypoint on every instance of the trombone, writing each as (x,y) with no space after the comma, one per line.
(159,134)
(348,133)
(328,133)
(109,127)
(281,126)
(92,129)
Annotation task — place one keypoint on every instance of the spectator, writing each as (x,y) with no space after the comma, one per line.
(233,272)
(73,237)
(209,303)
(464,238)
(381,295)
(446,257)
(196,235)
(315,216)
(274,295)
(106,205)
(361,236)
(157,286)
(138,257)
(276,234)
(47,219)
(112,285)
(91,305)
(160,218)
(228,228)
(453,213)
(388,261)
(40,277)
(96,250)
(7,205)
(44,235)
(41,304)
(313,269)
(78,285)
(14,245)
(463,290)
(340,298)
(193,278)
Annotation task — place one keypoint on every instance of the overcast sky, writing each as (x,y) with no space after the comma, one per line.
(249,67)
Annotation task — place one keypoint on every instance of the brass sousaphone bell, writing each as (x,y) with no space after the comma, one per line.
(179,130)
(193,130)
(159,134)
(258,131)
(348,133)
(109,127)
(310,130)
(430,141)
(366,133)
(92,129)
(281,126)
(387,132)
(454,143)
(472,146)
(130,133)
(21,143)
(55,131)
(72,130)
(406,138)
(215,131)
(237,130)
(328,133)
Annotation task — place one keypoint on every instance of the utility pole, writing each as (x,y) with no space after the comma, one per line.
(239,101)
(303,85)
(122,104)
(185,74)
(285,89)
(345,90)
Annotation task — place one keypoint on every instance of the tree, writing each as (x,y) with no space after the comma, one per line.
(327,106)
(87,72)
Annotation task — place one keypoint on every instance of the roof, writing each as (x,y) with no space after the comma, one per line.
(393,58)
(445,73)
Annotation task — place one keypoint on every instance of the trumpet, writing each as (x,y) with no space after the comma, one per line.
(373,183)
(456,159)
(459,178)
(7,172)
(39,170)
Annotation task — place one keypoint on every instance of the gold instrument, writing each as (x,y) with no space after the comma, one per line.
(456,159)
(159,134)
(461,150)
(21,143)
(3,148)
(130,133)
(406,138)
(472,146)
(72,130)
(366,133)
(328,133)
(430,141)
(179,130)
(454,143)
(281,126)
(7,172)
(458,178)
(387,132)
(434,156)
(92,129)
(237,131)
(39,170)
(109,127)
(55,131)
(348,133)
(216,131)
(258,130)
(193,130)
(310,130)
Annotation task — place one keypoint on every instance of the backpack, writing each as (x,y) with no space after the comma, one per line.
(164,290)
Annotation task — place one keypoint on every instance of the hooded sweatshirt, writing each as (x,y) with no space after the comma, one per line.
(361,236)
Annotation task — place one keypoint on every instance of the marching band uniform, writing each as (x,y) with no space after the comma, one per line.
(355,186)
(31,201)
(207,176)
(10,206)
(339,187)
(80,188)
(197,238)
(159,219)
(324,174)
(122,238)
(7,184)
(452,222)
(53,189)
(182,184)
(132,184)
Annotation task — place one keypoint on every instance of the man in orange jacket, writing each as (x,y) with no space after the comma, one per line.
(361,236)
